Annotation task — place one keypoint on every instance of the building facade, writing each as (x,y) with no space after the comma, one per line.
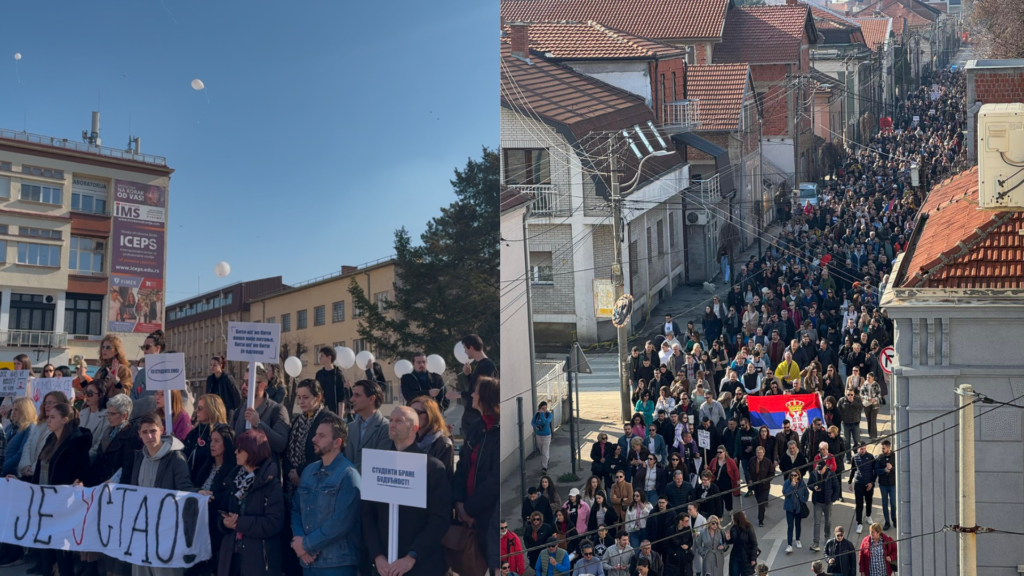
(82,247)
(198,327)
(320,313)
(955,299)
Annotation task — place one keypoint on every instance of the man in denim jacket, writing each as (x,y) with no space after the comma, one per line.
(325,514)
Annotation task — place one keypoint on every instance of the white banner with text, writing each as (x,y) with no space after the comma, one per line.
(144,526)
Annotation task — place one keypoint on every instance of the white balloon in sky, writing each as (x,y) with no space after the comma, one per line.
(403,367)
(197,84)
(346,357)
(364,360)
(222,269)
(293,366)
(17,55)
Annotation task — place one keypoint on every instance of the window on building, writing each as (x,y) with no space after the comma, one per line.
(650,245)
(86,255)
(31,312)
(338,311)
(90,203)
(691,55)
(6,166)
(3,251)
(527,166)
(661,236)
(272,320)
(339,343)
(541,268)
(38,254)
(286,322)
(5,187)
(39,233)
(44,194)
(319,315)
(83,314)
(671,233)
(300,319)
(44,172)
(358,345)
(3,228)
(380,298)
(357,312)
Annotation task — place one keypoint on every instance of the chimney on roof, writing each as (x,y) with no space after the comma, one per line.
(348,269)
(791,2)
(520,39)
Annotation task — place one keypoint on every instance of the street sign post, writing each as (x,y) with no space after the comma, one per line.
(885,358)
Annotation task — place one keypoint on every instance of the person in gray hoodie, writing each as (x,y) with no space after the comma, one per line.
(160,464)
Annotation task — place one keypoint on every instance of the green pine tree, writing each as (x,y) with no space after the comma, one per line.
(448,286)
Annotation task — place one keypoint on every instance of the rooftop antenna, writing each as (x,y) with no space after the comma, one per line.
(93,138)
(134,145)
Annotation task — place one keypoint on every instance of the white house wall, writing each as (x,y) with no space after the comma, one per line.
(632,77)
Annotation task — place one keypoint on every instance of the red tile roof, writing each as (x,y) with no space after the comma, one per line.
(875,30)
(720,88)
(961,246)
(590,40)
(657,19)
(896,10)
(830,17)
(765,34)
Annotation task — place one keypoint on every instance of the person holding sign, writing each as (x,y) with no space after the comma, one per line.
(114,375)
(255,511)
(420,530)
(326,510)
(267,415)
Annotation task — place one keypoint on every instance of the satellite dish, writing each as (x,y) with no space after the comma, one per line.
(623,310)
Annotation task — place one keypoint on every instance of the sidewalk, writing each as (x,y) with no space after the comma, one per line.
(687,302)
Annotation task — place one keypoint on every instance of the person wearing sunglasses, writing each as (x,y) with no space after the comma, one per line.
(535,535)
(588,563)
(796,494)
(512,560)
(114,375)
(153,344)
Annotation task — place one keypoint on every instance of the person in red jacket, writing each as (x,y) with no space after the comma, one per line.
(877,553)
(512,550)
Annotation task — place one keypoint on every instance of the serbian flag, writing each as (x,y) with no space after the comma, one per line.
(770,411)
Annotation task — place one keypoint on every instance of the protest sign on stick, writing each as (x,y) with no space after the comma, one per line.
(253,342)
(397,478)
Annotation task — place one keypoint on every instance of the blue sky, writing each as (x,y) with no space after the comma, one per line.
(329,124)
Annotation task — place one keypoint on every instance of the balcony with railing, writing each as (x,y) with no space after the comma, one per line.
(548,201)
(710,190)
(680,116)
(33,339)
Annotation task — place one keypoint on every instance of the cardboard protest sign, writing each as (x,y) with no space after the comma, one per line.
(43,386)
(254,342)
(14,382)
(165,372)
(144,526)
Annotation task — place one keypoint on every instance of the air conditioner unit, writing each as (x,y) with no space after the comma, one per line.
(698,217)
(1001,157)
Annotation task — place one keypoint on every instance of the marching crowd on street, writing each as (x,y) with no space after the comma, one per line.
(284,494)
(802,318)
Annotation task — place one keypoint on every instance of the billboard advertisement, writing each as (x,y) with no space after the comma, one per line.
(138,241)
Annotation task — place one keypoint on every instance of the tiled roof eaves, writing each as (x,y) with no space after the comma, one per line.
(962,248)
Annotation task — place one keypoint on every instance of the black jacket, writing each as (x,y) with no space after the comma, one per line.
(286,465)
(885,478)
(799,463)
(70,461)
(657,566)
(678,495)
(810,440)
(227,389)
(825,488)
(261,517)
(333,384)
(744,548)
(482,504)
(119,455)
(640,478)
(845,556)
(712,505)
(610,518)
(197,451)
(420,529)
(542,505)
(413,388)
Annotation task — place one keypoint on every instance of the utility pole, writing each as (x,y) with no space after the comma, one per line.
(968,541)
(617,275)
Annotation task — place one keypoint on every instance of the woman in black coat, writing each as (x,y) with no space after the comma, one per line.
(222,384)
(63,461)
(255,512)
(215,479)
(119,443)
(610,518)
(209,413)
(432,437)
(744,545)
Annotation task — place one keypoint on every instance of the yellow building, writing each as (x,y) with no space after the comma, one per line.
(319,313)
(82,246)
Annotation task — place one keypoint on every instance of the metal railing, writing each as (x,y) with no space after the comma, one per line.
(81,147)
(33,338)
(547,200)
(681,115)
(710,190)
(552,387)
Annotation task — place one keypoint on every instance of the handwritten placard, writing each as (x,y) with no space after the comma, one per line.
(14,382)
(43,386)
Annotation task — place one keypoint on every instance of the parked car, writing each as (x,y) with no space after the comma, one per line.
(808,192)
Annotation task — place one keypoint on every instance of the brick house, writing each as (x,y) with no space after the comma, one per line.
(776,41)
(844,55)
(954,297)
(990,82)
(555,124)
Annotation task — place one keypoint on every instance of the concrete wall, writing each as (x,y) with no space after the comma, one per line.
(630,76)
(944,339)
(516,352)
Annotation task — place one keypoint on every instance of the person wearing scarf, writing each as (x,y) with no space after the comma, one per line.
(432,437)
(210,412)
(300,452)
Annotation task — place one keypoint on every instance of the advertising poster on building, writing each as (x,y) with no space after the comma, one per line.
(137,257)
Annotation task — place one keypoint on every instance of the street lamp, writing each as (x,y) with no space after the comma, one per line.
(617,276)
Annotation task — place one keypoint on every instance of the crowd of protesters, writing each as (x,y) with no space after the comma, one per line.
(801,318)
(283,486)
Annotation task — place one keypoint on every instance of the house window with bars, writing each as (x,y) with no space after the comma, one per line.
(541,268)
(319,315)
